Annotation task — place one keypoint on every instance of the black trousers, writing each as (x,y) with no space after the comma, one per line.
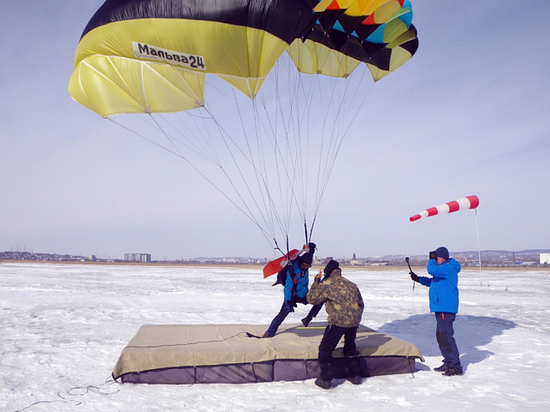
(330,340)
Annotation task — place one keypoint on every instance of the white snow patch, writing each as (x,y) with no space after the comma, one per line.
(63,327)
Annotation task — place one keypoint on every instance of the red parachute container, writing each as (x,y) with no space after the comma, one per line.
(276,265)
(464,203)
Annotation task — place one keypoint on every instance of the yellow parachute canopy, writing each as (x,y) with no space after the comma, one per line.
(134,59)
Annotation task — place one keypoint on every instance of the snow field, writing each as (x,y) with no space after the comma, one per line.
(63,327)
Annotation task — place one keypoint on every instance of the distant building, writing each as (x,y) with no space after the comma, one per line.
(138,257)
(545,258)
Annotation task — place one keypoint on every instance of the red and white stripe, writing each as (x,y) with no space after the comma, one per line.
(464,203)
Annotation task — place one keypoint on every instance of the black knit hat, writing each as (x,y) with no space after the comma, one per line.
(306,258)
(330,267)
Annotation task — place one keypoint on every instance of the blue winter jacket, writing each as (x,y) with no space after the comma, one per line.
(443,285)
(300,277)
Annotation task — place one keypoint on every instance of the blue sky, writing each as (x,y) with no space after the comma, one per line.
(469,114)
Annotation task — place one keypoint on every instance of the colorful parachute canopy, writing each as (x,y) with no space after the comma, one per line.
(464,203)
(144,56)
(348,32)
(154,56)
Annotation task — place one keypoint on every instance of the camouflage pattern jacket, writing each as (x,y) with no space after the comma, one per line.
(342,299)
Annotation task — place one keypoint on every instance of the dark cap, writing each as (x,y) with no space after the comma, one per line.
(442,252)
(330,267)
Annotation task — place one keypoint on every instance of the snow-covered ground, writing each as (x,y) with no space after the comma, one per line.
(62,327)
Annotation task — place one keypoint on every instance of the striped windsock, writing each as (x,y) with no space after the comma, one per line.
(464,203)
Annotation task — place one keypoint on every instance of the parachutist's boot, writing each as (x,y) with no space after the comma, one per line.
(306,320)
(353,370)
(325,380)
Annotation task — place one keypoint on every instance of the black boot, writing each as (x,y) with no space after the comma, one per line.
(306,320)
(353,370)
(325,380)
(454,371)
(442,368)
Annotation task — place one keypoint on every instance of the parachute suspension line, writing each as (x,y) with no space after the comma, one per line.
(203,140)
(267,120)
(285,153)
(255,162)
(269,213)
(191,146)
(175,153)
(281,173)
(301,107)
(326,163)
(332,119)
(277,247)
(326,144)
(270,129)
(291,156)
(339,142)
(213,157)
(298,149)
(179,154)
(226,137)
(334,129)
(297,145)
(305,165)
(283,156)
(336,143)
(166,135)
(326,148)
(250,158)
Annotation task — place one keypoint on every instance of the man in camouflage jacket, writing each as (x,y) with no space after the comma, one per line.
(344,305)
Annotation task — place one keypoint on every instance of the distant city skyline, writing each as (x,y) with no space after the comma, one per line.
(467,258)
(467,115)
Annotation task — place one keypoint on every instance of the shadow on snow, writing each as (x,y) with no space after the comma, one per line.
(471,333)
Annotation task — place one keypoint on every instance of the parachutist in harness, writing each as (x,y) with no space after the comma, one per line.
(295,279)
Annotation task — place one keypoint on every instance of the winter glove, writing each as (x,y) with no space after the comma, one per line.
(433,255)
(414,276)
(319,276)
(312,246)
(288,306)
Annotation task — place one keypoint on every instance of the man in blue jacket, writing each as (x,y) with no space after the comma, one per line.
(444,303)
(296,286)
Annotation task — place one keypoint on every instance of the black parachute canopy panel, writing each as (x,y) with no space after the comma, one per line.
(286,19)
